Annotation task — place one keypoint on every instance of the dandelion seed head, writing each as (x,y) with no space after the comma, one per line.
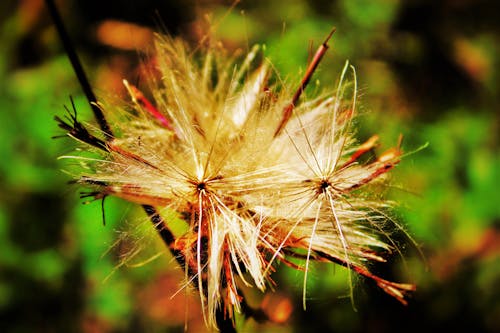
(207,147)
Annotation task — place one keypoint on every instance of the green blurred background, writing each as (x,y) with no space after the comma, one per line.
(426,69)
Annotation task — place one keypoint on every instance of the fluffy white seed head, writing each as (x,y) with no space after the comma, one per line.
(208,148)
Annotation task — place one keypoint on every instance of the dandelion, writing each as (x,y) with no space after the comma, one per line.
(258,176)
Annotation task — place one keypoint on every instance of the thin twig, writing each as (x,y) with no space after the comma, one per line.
(78,68)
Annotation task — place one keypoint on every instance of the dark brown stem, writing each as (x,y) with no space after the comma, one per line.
(78,68)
